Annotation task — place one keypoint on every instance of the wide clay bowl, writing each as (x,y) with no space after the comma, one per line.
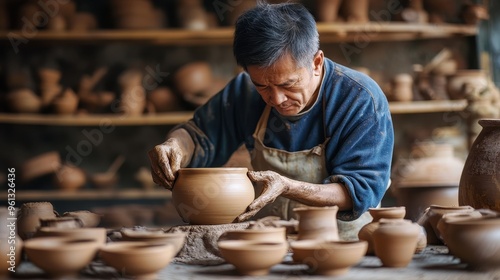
(267,234)
(155,236)
(475,241)
(210,196)
(61,257)
(140,260)
(98,234)
(252,258)
(329,257)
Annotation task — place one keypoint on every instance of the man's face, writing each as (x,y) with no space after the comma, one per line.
(286,87)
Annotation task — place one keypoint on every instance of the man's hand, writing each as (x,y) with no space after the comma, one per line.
(273,186)
(167,158)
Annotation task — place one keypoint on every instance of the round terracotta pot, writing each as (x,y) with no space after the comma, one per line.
(395,241)
(209,196)
(480,182)
(319,223)
(327,10)
(29,215)
(442,225)
(356,11)
(268,234)
(456,82)
(366,232)
(23,101)
(402,88)
(69,178)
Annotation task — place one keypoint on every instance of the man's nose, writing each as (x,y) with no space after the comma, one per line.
(277,96)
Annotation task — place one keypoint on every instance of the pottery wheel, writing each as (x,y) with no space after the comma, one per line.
(200,247)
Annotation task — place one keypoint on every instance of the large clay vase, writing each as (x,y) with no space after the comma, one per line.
(29,216)
(366,232)
(430,177)
(395,241)
(210,196)
(318,223)
(480,181)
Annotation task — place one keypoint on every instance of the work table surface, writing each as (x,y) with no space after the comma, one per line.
(433,263)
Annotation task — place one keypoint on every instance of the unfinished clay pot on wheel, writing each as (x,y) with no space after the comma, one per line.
(366,232)
(210,196)
(319,223)
(395,241)
(480,181)
(28,217)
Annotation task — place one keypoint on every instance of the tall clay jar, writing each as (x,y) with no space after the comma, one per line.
(366,232)
(480,181)
(327,10)
(395,241)
(319,223)
(29,216)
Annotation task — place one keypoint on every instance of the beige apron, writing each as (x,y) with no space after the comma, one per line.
(306,166)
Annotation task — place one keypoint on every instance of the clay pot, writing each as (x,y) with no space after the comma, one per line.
(355,11)
(69,178)
(40,165)
(366,232)
(430,177)
(155,236)
(442,225)
(193,80)
(402,88)
(475,241)
(480,181)
(319,223)
(476,79)
(57,23)
(23,101)
(61,222)
(253,258)
(332,258)
(445,68)
(133,100)
(49,76)
(429,220)
(268,234)
(61,257)
(87,218)
(327,10)
(212,195)
(29,216)
(140,260)
(66,103)
(238,9)
(164,99)
(395,241)
(97,234)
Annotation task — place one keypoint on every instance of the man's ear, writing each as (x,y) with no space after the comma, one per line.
(318,60)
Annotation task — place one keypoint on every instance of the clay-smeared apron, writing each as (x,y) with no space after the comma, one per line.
(306,166)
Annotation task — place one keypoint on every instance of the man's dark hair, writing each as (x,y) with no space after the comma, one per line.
(267,32)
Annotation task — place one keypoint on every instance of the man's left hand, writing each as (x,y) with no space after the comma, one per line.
(273,186)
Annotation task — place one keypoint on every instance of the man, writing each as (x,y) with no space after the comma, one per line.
(319,133)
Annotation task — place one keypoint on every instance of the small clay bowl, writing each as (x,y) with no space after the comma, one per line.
(61,257)
(157,236)
(69,178)
(99,234)
(331,258)
(268,234)
(252,258)
(141,260)
(88,218)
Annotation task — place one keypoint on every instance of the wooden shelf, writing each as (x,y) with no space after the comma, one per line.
(90,194)
(434,106)
(174,118)
(329,33)
(101,119)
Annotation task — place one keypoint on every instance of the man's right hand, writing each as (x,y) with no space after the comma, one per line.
(167,158)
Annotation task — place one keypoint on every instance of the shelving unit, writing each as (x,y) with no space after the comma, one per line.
(91,194)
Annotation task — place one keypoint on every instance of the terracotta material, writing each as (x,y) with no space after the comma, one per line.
(431,176)
(177,239)
(475,241)
(402,88)
(429,220)
(253,258)
(207,196)
(29,215)
(476,78)
(87,218)
(480,181)
(39,165)
(66,103)
(442,225)
(61,222)
(193,80)
(332,258)
(395,241)
(109,178)
(69,178)
(268,234)
(238,9)
(164,99)
(319,223)
(366,232)
(61,257)
(98,234)
(356,11)
(139,260)
(327,10)
(23,101)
